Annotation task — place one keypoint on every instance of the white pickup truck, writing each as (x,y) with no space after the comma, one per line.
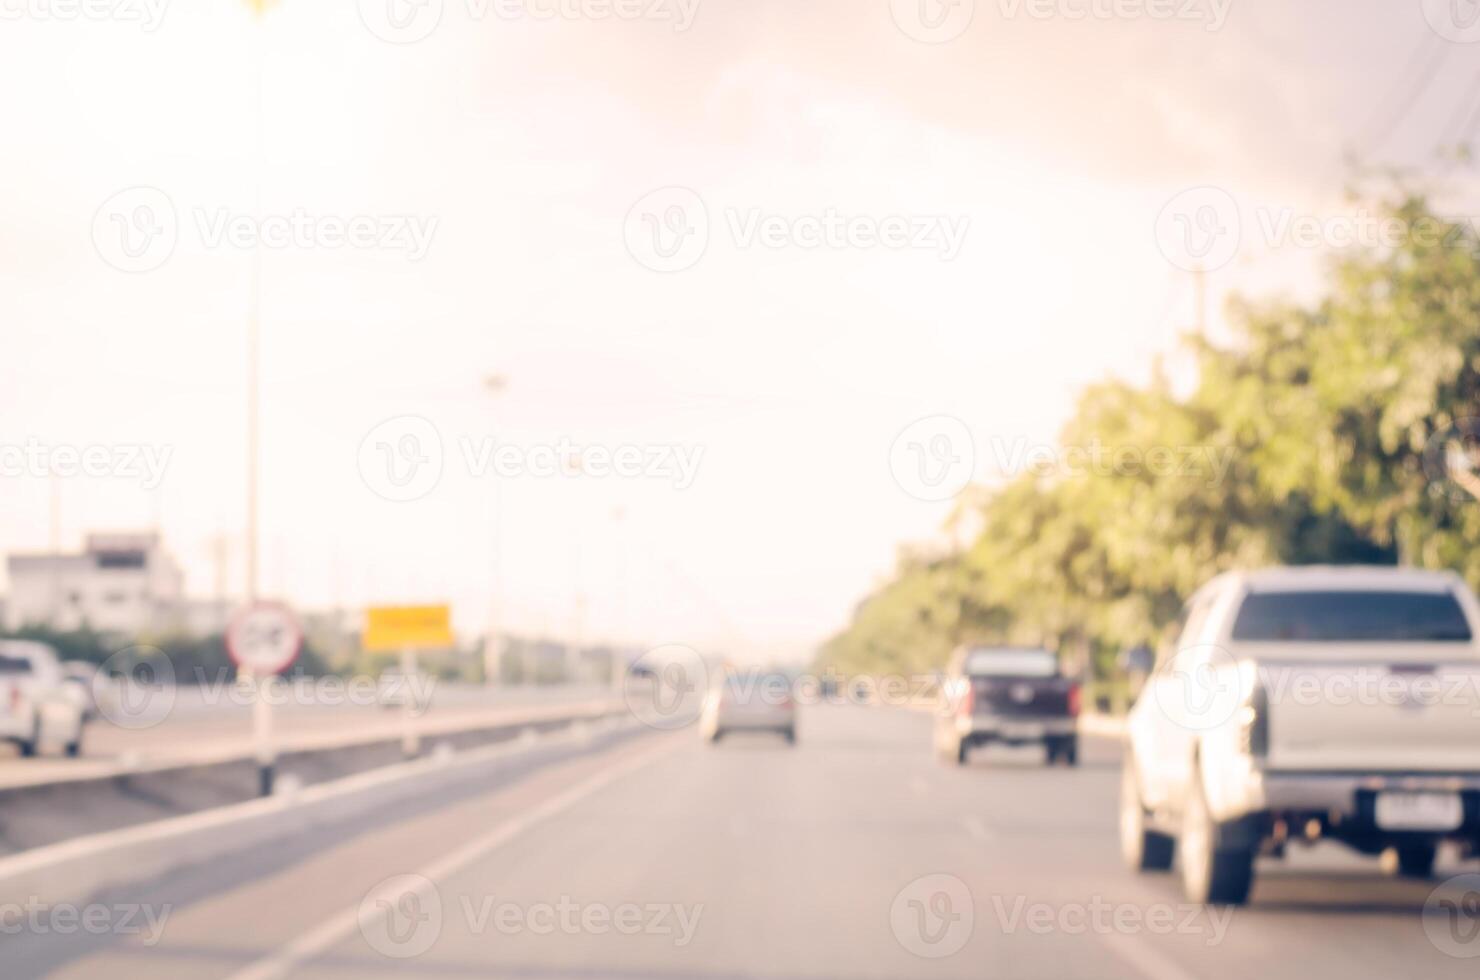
(1306,704)
(37,706)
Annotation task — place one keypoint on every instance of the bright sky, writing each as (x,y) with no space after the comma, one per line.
(521,147)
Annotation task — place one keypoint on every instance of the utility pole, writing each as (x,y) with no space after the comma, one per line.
(619,666)
(54,545)
(494,385)
(261,707)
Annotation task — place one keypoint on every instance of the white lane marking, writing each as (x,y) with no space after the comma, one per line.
(342,926)
(1138,953)
(977,828)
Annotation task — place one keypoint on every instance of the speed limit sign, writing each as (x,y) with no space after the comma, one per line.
(264,638)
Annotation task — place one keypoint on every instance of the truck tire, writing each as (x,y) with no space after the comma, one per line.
(1417,860)
(1214,871)
(950,751)
(1143,849)
(31,746)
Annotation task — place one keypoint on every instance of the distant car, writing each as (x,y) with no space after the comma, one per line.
(750,701)
(37,706)
(397,689)
(1007,695)
(1306,704)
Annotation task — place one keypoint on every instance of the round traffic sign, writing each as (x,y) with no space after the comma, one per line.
(264,638)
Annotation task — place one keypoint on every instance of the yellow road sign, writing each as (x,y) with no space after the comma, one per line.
(407,628)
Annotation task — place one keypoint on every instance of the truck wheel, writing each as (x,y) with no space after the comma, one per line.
(963,748)
(1213,873)
(1143,849)
(1417,860)
(1069,751)
(32,746)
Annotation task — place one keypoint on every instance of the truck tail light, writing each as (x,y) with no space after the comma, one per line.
(1076,695)
(968,700)
(1253,717)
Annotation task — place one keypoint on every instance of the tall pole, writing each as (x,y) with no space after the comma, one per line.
(54,615)
(494,385)
(410,736)
(619,666)
(253,421)
(261,707)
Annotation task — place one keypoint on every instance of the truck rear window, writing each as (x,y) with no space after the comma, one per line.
(14,665)
(1011,663)
(1351,617)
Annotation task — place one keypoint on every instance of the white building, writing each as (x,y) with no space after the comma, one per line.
(123,583)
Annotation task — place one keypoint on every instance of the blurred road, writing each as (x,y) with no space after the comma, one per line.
(204,723)
(771,862)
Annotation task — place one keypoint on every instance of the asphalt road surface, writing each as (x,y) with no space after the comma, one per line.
(855,854)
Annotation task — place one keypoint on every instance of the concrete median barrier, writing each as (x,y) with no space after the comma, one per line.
(84,867)
(123,795)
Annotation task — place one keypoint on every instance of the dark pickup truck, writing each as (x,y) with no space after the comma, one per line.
(1010,695)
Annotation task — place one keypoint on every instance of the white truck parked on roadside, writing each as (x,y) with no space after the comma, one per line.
(1306,704)
(37,706)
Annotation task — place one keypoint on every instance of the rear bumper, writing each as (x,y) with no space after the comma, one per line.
(1338,791)
(769,721)
(1345,803)
(998,728)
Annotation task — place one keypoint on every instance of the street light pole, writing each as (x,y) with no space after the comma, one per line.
(494,385)
(261,707)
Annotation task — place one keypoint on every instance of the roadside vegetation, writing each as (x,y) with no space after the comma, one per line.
(1343,424)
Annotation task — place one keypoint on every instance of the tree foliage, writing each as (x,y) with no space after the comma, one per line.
(1329,417)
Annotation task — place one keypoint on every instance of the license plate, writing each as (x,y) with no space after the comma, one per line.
(1419,811)
(1023,732)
